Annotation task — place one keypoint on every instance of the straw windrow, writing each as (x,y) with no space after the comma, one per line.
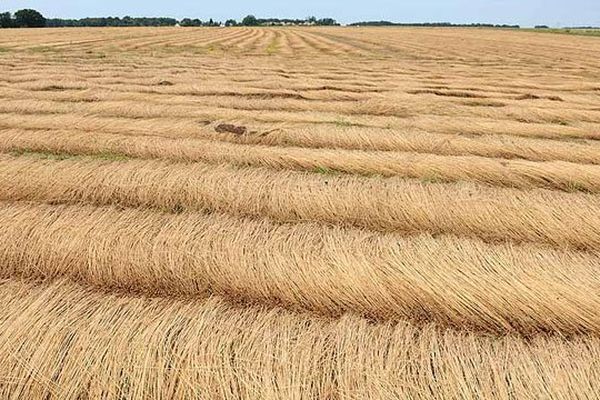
(388,205)
(63,341)
(327,270)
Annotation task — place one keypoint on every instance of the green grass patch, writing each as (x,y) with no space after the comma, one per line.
(94,55)
(44,49)
(560,122)
(343,122)
(432,178)
(107,155)
(58,156)
(273,47)
(580,32)
(325,171)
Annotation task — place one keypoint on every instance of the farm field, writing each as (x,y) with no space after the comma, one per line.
(570,31)
(299,213)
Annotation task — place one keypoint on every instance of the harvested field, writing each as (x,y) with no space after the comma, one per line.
(299,213)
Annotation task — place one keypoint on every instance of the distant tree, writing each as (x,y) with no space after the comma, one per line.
(231,22)
(190,22)
(327,22)
(311,20)
(6,20)
(541,27)
(250,20)
(28,18)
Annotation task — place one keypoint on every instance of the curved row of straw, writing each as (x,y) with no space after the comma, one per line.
(463,283)
(327,136)
(498,172)
(384,204)
(62,341)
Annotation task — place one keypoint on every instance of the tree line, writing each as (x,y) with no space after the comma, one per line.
(33,19)
(29,18)
(251,20)
(432,24)
(111,21)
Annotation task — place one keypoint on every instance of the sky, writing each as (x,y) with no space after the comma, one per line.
(522,12)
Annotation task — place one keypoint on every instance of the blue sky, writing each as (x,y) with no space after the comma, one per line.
(523,12)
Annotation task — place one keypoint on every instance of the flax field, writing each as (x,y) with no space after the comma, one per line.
(299,213)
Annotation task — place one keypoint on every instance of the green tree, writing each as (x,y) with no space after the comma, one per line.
(327,22)
(250,20)
(231,22)
(190,22)
(6,20)
(28,18)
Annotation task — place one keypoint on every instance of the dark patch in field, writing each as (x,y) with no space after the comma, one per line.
(230,128)
(483,103)
(450,93)
(52,88)
(347,89)
(294,96)
(528,96)
(58,88)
